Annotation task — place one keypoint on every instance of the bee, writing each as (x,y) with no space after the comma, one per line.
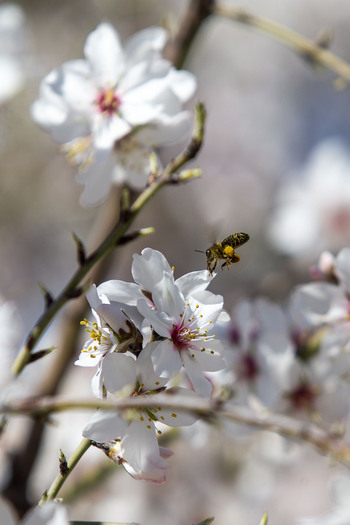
(225,250)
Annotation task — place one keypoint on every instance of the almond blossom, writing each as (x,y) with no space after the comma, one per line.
(183,318)
(312,209)
(117,323)
(135,431)
(112,108)
(324,302)
(259,353)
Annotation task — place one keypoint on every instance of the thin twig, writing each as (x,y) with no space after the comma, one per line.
(52,492)
(178,47)
(314,53)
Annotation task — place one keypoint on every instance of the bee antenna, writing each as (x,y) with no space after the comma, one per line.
(199,251)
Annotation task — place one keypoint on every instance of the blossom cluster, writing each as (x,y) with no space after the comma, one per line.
(295,359)
(156,334)
(111,110)
(147,337)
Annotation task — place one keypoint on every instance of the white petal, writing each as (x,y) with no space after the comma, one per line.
(205,360)
(108,129)
(105,55)
(166,359)
(168,298)
(154,98)
(116,315)
(147,376)
(176,418)
(154,474)
(93,297)
(72,82)
(132,165)
(120,291)
(97,382)
(207,307)
(316,303)
(183,84)
(138,113)
(97,180)
(199,382)
(167,130)
(193,281)
(51,513)
(88,359)
(145,43)
(104,426)
(160,324)
(119,372)
(139,447)
(142,72)
(148,268)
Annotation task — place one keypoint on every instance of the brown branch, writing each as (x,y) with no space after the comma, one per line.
(325,441)
(178,47)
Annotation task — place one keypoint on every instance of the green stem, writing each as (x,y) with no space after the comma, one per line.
(310,50)
(52,492)
(116,237)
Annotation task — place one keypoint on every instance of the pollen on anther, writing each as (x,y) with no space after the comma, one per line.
(159,432)
(149,426)
(173,414)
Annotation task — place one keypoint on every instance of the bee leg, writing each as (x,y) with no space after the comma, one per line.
(226,263)
(212,267)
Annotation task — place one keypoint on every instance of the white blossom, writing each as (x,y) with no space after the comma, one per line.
(111,109)
(184,316)
(312,211)
(136,431)
(259,352)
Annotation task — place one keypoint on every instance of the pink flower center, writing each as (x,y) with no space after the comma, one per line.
(181,337)
(108,102)
(303,397)
(248,368)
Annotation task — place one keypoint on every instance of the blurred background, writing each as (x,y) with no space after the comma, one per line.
(276,164)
